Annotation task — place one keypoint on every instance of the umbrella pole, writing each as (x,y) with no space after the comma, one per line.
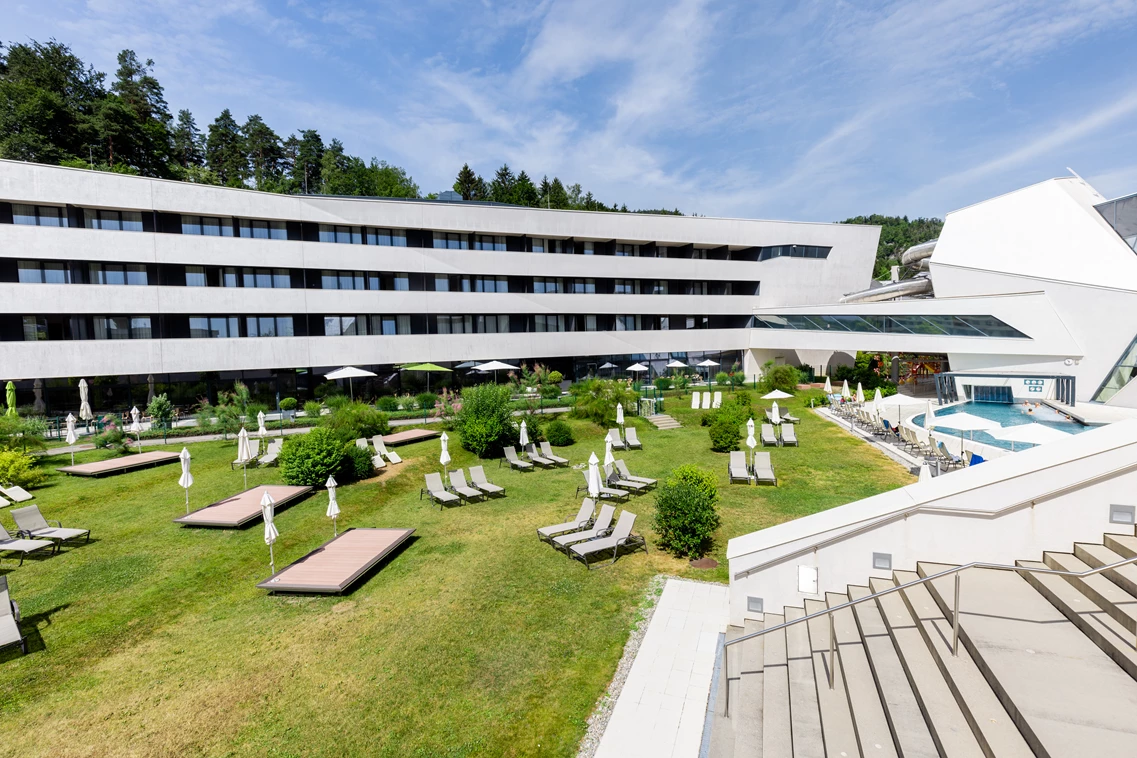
(335,531)
(245,469)
(72,457)
(187,500)
(271,560)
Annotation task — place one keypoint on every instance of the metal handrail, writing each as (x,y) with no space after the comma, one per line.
(956,570)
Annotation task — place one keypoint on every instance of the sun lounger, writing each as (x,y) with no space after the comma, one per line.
(478,479)
(437,492)
(706,401)
(8,543)
(620,537)
(717,401)
(623,469)
(604,491)
(694,401)
(465,491)
(948,457)
(768,438)
(32,523)
(617,440)
(272,453)
(547,451)
(632,439)
(599,529)
(381,448)
(514,461)
(376,460)
(16,494)
(763,469)
(788,419)
(613,478)
(737,468)
(10,619)
(582,521)
(789,435)
(4,503)
(533,455)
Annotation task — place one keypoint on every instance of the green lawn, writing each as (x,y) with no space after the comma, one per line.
(476,640)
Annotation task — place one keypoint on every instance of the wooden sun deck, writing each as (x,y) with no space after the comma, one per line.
(244,507)
(128,462)
(336,565)
(409,436)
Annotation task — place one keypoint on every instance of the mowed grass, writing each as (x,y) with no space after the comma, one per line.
(476,639)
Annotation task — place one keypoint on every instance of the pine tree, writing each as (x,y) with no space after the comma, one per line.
(465,183)
(308,161)
(543,192)
(501,188)
(188,143)
(148,146)
(225,151)
(557,197)
(524,193)
(263,149)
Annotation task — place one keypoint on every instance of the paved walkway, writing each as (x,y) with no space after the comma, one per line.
(662,707)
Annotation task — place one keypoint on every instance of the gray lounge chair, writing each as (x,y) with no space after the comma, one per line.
(16,494)
(789,435)
(459,486)
(478,479)
(631,439)
(8,543)
(376,460)
(10,620)
(620,537)
(604,491)
(514,461)
(623,469)
(768,437)
(32,523)
(617,440)
(381,448)
(271,453)
(763,469)
(547,451)
(737,468)
(787,418)
(612,477)
(599,529)
(533,455)
(583,521)
(437,492)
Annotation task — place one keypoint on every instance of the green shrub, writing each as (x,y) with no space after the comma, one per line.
(309,459)
(485,421)
(426,401)
(559,434)
(785,378)
(21,432)
(722,378)
(326,389)
(555,377)
(288,404)
(350,421)
(725,433)
(337,401)
(161,410)
(313,409)
(357,465)
(596,399)
(549,391)
(662,383)
(387,404)
(19,470)
(682,383)
(112,436)
(685,511)
(251,411)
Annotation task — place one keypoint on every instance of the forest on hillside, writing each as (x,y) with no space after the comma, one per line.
(897,234)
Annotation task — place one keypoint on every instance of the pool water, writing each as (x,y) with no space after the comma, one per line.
(1006,414)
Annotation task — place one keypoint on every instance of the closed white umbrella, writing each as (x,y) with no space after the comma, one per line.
(860,393)
(72,438)
(271,534)
(620,414)
(609,459)
(929,417)
(333,506)
(845,389)
(244,453)
(261,431)
(444,458)
(775,417)
(186,479)
(750,441)
(776,395)
(828,386)
(136,425)
(84,405)
(876,400)
(524,435)
(593,476)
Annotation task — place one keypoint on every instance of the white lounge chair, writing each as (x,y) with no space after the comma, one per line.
(376,460)
(540,460)
(10,619)
(623,469)
(8,543)
(614,479)
(621,537)
(272,453)
(547,452)
(763,469)
(789,435)
(478,478)
(514,461)
(582,521)
(381,448)
(599,529)
(718,400)
(737,469)
(437,491)
(706,401)
(604,491)
(459,486)
(16,494)
(768,438)
(632,439)
(694,401)
(617,441)
(32,523)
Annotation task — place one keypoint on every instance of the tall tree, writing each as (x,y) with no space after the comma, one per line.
(524,193)
(465,184)
(391,181)
(264,151)
(501,188)
(225,151)
(544,191)
(308,162)
(188,143)
(558,198)
(149,145)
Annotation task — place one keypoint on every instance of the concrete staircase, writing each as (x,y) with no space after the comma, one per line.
(1046,666)
(663,421)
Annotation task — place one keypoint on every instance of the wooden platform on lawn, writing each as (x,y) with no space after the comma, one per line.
(236,511)
(127,462)
(409,436)
(338,564)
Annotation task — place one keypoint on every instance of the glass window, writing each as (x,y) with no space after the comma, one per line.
(140,328)
(229,277)
(29,272)
(219,327)
(26,215)
(136,274)
(107,273)
(537,245)
(329,280)
(284,327)
(35,328)
(199,327)
(344,235)
(627,251)
(489,242)
(38,215)
(590,323)
(626,286)
(659,287)
(391,237)
(264,278)
(332,326)
(452,241)
(195,276)
(441,283)
(403,324)
(402,282)
(349,325)
(255,229)
(281,278)
(589,248)
(131,221)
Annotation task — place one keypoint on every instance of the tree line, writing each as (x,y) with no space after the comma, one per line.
(897,234)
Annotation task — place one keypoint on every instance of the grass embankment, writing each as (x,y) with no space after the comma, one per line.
(476,640)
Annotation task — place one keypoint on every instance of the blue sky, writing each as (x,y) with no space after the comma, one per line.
(808,111)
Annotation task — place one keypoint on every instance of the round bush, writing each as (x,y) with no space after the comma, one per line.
(19,470)
(685,511)
(555,377)
(313,409)
(722,378)
(309,459)
(387,404)
(725,433)
(559,433)
(288,404)
(426,400)
(357,465)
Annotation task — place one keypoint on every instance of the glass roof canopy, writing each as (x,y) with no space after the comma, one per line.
(1122,216)
(936,325)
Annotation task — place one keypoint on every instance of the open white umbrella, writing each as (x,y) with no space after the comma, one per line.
(244,453)
(708,363)
(828,386)
(84,405)
(609,459)
(607,366)
(349,373)
(136,425)
(495,366)
(845,389)
(750,441)
(929,417)
(186,479)
(333,506)
(271,534)
(677,364)
(620,414)
(776,395)
(1032,433)
(524,435)
(261,431)
(775,416)
(72,438)
(444,457)
(966,422)
(593,476)
(637,368)
(860,394)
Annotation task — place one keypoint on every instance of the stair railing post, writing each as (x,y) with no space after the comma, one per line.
(955,620)
(832,652)
(726,680)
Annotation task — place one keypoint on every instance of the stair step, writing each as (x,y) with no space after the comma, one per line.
(722,727)
(663,421)
(1124,545)
(989,720)
(833,704)
(777,736)
(909,732)
(748,717)
(805,717)
(947,724)
(1067,697)
(1111,637)
(1118,603)
(1097,556)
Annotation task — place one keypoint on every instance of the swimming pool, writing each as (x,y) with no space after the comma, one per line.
(1006,414)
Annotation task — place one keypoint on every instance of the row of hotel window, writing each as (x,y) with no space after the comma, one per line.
(62,327)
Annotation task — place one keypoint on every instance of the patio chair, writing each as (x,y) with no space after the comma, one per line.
(718,400)
(32,523)
(437,491)
(768,438)
(478,479)
(973,458)
(632,439)
(582,521)
(623,469)
(533,455)
(790,419)
(621,537)
(789,435)
(8,543)
(706,401)
(947,456)
(694,401)
(514,461)
(547,452)
(376,460)
(381,448)
(608,492)
(769,416)
(764,469)
(737,467)
(890,432)
(617,440)
(613,478)
(10,620)
(459,486)
(271,453)
(16,494)
(599,528)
